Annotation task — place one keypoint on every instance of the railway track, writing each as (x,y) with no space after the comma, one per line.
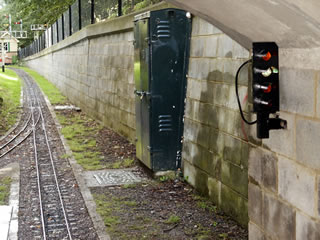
(53,213)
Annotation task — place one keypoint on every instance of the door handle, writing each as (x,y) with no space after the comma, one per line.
(141,94)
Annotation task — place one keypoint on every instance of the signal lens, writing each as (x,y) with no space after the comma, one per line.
(267,72)
(267,56)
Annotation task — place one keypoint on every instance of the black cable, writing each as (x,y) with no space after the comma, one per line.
(237,93)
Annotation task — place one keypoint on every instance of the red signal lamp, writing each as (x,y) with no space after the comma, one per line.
(267,56)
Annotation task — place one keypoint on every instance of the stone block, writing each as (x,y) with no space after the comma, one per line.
(210,49)
(255,233)
(216,142)
(208,90)
(197,46)
(278,218)
(199,157)
(232,150)
(255,204)
(225,46)
(297,91)
(239,51)
(234,205)
(196,177)
(189,108)
(203,68)
(214,187)
(307,137)
(318,196)
(296,185)
(306,228)
(235,178)
(245,149)
(197,133)
(193,90)
(206,28)
(216,69)
(243,95)
(318,94)
(263,168)
(230,69)
(283,141)
(190,151)
(195,26)
(221,94)
(206,113)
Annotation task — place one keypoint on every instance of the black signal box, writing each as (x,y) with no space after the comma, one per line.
(265,84)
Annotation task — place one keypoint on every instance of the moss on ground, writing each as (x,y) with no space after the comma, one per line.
(10,92)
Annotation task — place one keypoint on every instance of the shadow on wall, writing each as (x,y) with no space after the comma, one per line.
(221,159)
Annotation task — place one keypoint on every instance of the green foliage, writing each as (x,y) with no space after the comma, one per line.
(10,92)
(4,190)
(223,235)
(32,12)
(173,219)
(164,178)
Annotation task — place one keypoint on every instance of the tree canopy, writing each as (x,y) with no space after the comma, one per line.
(31,12)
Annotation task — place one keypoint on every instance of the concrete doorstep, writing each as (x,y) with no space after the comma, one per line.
(5,217)
(9,214)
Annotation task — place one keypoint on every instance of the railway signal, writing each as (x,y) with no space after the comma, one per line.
(265,88)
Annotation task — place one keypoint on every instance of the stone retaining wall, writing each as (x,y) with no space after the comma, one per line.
(94,68)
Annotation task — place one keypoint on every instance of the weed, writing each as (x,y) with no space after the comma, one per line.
(223,235)
(164,178)
(130,203)
(128,162)
(126,186)
(116,165)
(65,156)
(173,219)
(4,190)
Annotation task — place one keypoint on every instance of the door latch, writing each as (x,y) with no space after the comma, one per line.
(141,94)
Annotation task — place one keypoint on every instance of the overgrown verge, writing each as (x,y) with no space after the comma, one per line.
(162,210)
(10,92)
(5,183)
(89,141)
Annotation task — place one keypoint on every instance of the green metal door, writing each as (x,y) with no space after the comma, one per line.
(141,76)
(161,58)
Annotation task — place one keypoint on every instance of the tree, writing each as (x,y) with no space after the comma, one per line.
(32,12)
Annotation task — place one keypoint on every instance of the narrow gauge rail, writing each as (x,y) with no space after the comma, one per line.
(50,213)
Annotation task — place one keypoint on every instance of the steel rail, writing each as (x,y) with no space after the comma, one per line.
(13,138)
(54,171)
(38,173)
(21,141)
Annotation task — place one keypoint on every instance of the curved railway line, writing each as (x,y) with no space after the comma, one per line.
(52,207)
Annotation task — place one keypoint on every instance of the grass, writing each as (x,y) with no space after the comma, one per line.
(10,92)
(4,190)
(52,92)
(78,130)
(173,219)
(116,213)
